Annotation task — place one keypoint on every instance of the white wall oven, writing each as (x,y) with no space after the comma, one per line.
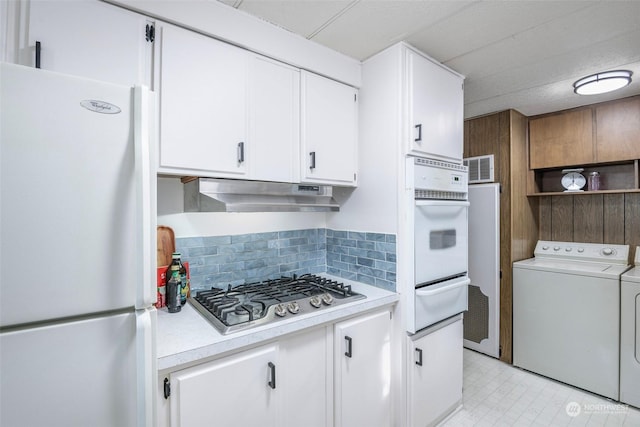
(440,242)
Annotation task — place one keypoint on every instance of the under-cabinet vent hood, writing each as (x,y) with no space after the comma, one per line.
(229,195)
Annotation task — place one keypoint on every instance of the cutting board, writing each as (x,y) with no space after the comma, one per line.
(166,245)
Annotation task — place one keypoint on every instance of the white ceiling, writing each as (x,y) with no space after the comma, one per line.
(515,54)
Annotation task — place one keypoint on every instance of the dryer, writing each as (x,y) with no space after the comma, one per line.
(566,314)
(630,335)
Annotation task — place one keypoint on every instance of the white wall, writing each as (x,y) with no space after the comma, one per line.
(194,224)
(373,206)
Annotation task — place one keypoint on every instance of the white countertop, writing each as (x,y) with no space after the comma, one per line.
(187,337)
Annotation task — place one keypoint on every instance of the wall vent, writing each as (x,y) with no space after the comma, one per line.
(480,169)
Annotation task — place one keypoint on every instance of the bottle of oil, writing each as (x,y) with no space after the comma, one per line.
(174,274)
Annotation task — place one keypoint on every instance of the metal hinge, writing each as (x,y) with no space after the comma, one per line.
(150,33)
(500,274)
(167,388)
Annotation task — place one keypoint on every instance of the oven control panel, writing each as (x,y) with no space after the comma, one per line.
(438,176)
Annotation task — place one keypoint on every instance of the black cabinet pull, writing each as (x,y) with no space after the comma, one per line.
(38,51)
(240,152)
(313,160)
(272,381)
(419,361)
(419,138)
(167,388)
(349,352)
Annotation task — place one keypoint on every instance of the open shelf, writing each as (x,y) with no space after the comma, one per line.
(614,178)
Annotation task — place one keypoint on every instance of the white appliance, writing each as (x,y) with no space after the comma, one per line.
(434,319)
(566,313)
(630,335)
(77,279)
(440,242)
(482,320)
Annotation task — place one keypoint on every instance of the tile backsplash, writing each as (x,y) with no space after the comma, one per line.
(222,260)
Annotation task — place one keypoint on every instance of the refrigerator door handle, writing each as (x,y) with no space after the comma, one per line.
(146,366)
(146,201)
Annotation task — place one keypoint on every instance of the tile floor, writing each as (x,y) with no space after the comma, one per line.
(497,394)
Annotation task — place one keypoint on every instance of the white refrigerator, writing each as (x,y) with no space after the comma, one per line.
(77,251)
(482,319)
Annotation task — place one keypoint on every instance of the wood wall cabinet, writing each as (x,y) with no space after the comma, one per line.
(504,135)
(599,133)
(618,130)
(559,137)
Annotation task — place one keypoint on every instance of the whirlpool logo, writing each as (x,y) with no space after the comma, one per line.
(100,106)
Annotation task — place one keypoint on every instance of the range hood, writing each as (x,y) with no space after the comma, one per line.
(230,195)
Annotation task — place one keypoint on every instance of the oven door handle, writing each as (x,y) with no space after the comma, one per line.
(431,292)
(442,203)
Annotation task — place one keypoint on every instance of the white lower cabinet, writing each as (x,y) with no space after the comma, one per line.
(434,368)
(239,390)
(304,379)
(362,348)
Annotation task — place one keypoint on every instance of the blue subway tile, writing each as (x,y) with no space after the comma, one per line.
(340,234)
(216,240)
(355,235)
(391,276)
(375,255)
(390,238)
(365,279)
(386,247)
(348,259)
(376,237)
(234,266)
(390,257)
(385,266)
(384,284)
(289,250)
(350,243)
(363,244)
(189,242)
(200,251)
(231,248)
(357,252)
(289,267)
(255,245)
(366,261)
(255,263)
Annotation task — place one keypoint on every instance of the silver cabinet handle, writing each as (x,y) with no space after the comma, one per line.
(240,152)
(349,352)
(419,138)
(272,370)
(419,361)
(313,160)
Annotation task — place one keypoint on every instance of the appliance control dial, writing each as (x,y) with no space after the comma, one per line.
(327,299)
(567,249)
(293,307)
(315,301)
(556,248)
(544,248)
(607,251)
(281,310)
(580,250)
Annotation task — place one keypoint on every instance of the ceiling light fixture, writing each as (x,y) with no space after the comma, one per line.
(602,82)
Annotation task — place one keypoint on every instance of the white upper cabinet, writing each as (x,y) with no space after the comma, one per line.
(203,104)
(85,38)
(329,125)
(273,150)
(436,109)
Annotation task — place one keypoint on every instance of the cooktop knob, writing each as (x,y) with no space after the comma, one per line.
(607,251)
(327,299)
(280,310)
(293,307)
(315,301)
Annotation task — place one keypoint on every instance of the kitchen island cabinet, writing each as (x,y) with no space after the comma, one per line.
(363,371)
(329,125)
(118,51)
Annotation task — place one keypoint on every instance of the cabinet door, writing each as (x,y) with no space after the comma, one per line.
(202,85)
(618,131)
(273,150)
(329,131)
(563,139)
(436,110)
(435,374)
(233,391)
(306,379)
(86,38)
(362,371)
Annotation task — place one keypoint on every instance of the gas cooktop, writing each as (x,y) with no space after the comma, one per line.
(245,306)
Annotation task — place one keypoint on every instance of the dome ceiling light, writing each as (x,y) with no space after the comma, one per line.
(602,82)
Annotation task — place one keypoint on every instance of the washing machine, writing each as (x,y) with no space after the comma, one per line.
(630,335)
(566,314)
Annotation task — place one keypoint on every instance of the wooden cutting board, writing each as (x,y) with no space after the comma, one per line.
(166,245)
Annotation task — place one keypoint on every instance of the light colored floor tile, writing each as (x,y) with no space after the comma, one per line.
(497,394)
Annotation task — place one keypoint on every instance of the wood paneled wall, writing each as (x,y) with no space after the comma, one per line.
(592,218)
(504,135)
